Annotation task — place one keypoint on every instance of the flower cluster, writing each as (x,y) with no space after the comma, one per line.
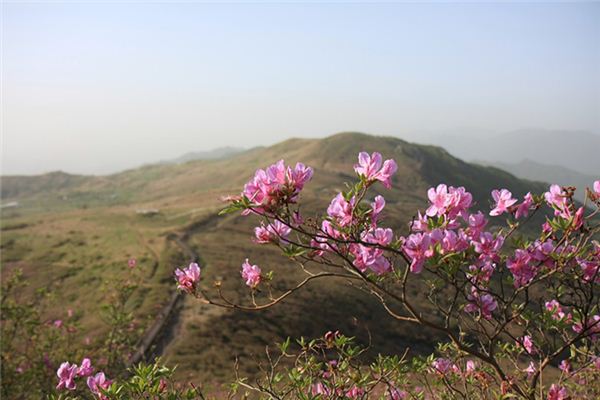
(276,184)
(483,279)
(67,373)
(188,278)
(370,168)
(251,274)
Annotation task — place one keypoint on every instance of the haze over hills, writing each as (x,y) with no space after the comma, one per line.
(70,233)
(549,173)
(574,150)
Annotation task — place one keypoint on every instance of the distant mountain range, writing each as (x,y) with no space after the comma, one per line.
(221,152)
(563,176)
(574,150)
(568,158)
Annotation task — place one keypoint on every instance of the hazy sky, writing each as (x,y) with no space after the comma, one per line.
(96,88)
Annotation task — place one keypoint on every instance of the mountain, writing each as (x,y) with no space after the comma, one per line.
(75,236)
(574,150)
(534,171)
(221,152)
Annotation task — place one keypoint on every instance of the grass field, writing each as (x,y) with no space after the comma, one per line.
(74,235)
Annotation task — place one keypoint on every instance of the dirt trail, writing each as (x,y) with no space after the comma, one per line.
(168,322)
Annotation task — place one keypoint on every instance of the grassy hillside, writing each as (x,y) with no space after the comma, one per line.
(71,233)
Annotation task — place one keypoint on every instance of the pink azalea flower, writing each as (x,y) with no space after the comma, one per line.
(354,392)
(591,327)
(557,393)
(521,267)
(341,210)
(439,200)
(525,206)
(482,304)
(85,369)
(274,232)
(556,198)
(459,202)
(527,344)
(58,323)
(417,247)
(368,257)
(546,228)
(297,218)
(565,366)
(556,309)
(385,173)
(481,271)
(597,187)
(503,199)
(262,234)
(578,220)
(590,268)
(298,176)
(97,382)
(471,366)
(251,273)
(477,223)
(368,165)
(443,366)
(397,394)
(488,246)
(371,168)
(320,389)
(530,369)
(380,236)
(276,182)
(453,242)
(188,277)
(419,224)
(132,263)
(377,207)
(66,376)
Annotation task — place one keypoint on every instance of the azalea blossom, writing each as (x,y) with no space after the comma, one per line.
(521,267)
(444,366)
(380,236)
(354,392)
(371,168)
(370,257)
(477,223)
(276,231)
(439,200)
(188,277)
(488,246)
(97,382)
(376,208)
(418,248)
(341,210)
(251,273)
(565,366)
(398,394)
(557,198)
(596,187)
(482,304)
(556,310)
(503,199)
(525,206)
(557,393)
(66,376)
(527,343)
(85,369)
(275,183)
(531,369)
